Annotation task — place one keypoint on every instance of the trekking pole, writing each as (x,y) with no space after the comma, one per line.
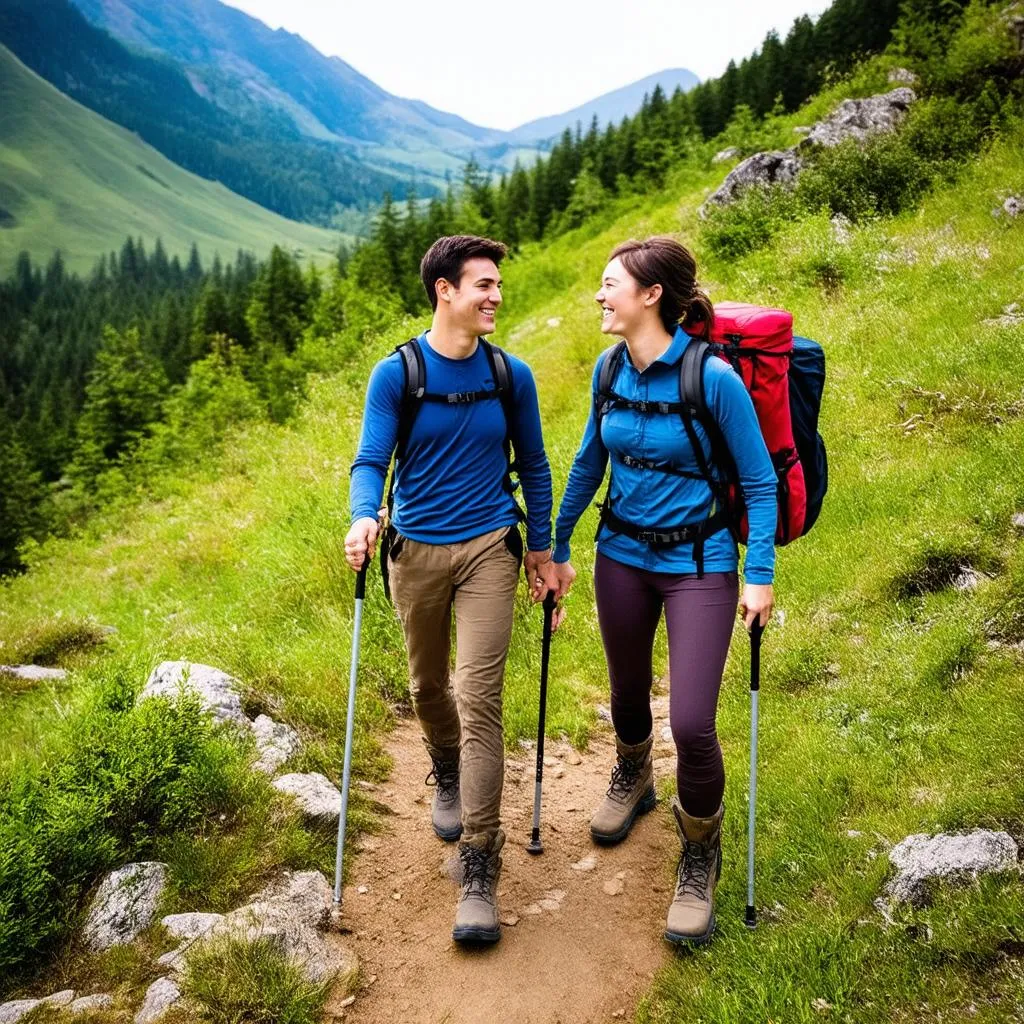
(756,631)
(535,845)
(350,719)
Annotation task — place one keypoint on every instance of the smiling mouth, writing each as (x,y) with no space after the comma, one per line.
(606,312)
(487,312)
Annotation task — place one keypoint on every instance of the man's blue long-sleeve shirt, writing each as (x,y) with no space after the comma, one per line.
(651,498)
(450,486)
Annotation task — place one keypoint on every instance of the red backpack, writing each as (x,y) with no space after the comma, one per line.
(785,377)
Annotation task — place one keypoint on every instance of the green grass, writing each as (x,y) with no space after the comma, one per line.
(71,180)
(890,700)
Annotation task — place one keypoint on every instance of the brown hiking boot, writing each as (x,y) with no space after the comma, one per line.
(476,913)
(691,917)
(631,793)
(446,806)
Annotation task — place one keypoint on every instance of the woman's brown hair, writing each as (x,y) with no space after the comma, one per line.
(662,260)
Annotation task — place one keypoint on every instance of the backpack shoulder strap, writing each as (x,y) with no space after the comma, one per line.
(414,372)
(691,376)
(611,360)
(501,371)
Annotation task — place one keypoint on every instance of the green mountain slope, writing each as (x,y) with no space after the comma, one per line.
(71,180)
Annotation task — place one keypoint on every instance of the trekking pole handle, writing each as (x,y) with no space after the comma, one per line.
(361,580)
(756,632)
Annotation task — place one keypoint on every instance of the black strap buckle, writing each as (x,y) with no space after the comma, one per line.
(461,397)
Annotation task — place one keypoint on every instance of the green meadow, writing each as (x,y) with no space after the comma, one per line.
(890,695)
(73,181)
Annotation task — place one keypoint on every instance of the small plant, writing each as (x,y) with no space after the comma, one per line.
(750,223)
(50,643)
(238,982)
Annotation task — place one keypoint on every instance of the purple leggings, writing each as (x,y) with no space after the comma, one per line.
(699,616)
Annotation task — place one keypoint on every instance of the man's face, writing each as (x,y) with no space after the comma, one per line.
(473,301)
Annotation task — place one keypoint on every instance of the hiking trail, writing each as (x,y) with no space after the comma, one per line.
(578,945)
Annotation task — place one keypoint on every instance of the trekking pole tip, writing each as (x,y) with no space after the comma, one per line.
(750,919)
(535,846)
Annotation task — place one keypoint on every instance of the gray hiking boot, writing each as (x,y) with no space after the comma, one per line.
(631,793)
(446,807)
(476,914)
(691,916)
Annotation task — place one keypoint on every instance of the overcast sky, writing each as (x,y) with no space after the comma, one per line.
(502,64)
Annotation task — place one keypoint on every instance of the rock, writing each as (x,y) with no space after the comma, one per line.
(550,762)
(554,321)
(860,119)
(730,153)
(509,920)
(666,734)
(548,904)
(573,758)
(921,857)
(190,926)
(558,771)
(779,167)
(218,692)
(588,863)
(968,579)
(1018,520)
(603,713)
(613,886)
(291,913)
(1013,206)
(91,1004)
(160,997)
(842,228)
(275,741)
(124,905)
(902,76)
(347,1001)
(315,794)
(16,1009)
(32,673)
(63,998)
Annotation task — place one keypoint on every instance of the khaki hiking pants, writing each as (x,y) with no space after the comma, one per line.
(476,579)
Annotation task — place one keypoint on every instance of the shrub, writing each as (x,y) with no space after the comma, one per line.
(749,223)
(120,779)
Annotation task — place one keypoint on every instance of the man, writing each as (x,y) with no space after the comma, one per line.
(456,547)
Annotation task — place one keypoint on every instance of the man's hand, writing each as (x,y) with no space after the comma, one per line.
(361,542)
(756,604)
(540,574)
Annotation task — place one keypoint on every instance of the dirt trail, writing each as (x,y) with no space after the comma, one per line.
(576,952)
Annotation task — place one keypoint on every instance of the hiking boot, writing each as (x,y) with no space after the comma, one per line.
(631,792)
(476,914)
(691,917)
(446,807)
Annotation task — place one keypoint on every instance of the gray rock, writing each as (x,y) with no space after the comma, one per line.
(32,673)
(779,167)
(160,997)
(275,741)
(1013,206)
(125,904)
(190,926)
(723,155)
(920,857)
(291,914)
(1018,520)
(902,76)
(842,228)
(16,1009)
(90,1004)
(315,794)
(603,713)
(217,691)
(859,119)
(63,998)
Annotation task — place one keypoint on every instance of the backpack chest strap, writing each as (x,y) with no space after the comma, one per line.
(461,397)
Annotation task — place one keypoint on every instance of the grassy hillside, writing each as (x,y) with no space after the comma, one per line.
(890,700)
(71,180)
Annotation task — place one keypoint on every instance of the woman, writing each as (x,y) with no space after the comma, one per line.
(664,543)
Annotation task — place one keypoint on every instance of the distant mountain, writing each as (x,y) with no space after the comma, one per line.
(248,69)
(71,180)
(261,156)
(612,107)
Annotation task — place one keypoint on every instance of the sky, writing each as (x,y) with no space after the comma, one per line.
(502,64)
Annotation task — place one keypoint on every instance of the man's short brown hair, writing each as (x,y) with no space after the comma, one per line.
(448,255)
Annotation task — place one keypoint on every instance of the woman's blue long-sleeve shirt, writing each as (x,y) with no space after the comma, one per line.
(651,498)
(450,486)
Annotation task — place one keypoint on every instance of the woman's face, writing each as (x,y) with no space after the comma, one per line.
(624,304)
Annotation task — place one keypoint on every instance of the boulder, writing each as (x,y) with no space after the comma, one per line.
(32,673)
(1012,206)
(919,858)
(91,1004)
(18,1008)
(190,926)
(218,692)
(160,997)
(859,119)
(275,741)
(779,167)
(902,76)
(291,914)
(724,155)
(124,905)
(315,794)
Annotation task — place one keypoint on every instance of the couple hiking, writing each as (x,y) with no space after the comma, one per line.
(448,406)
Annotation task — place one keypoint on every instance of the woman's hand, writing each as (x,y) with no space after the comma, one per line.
(756,604)
(565,574)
